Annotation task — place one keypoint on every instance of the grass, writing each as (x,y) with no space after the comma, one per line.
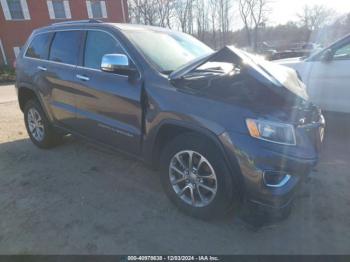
(7,74)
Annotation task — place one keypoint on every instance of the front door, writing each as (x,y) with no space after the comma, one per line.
(328,82)
(107,104)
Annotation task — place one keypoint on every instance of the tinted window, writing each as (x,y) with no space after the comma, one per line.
(97,45)
(65,47)
(38,47)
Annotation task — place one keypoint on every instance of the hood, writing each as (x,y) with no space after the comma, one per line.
(270,74)
(287,61)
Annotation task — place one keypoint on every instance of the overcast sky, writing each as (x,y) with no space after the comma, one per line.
(286,10)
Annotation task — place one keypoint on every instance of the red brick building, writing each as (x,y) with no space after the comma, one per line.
(18,18)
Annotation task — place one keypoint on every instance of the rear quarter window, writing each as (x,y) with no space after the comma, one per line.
(38,48)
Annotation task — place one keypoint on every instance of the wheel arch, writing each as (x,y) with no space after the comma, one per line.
(162,136)
(26,92)
(169,129)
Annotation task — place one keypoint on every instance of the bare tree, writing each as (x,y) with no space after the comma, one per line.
(244,11)
(254,16)
(259,10)
(213,5)
(183,14)
(201,13)
(151,12)
(165,12)
(314,17)
(224,7)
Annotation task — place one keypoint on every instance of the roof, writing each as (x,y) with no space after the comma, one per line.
(121,26)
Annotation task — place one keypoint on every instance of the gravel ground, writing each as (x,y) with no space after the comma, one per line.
(81,199)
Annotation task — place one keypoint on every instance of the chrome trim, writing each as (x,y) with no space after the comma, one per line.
(112,62)
(42,68)
(282,183)
(77,22)
(81,77)
(77,66)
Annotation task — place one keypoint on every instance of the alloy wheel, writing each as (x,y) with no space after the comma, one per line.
(193,178)
(35,124)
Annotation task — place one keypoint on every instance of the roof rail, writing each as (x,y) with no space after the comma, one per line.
(78,22)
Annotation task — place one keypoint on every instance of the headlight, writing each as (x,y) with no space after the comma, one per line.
(271,131)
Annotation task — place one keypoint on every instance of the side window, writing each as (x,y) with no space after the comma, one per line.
(65,47)
(342,53)
(97,45)
(38,47)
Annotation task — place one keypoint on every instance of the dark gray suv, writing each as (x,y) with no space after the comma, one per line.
(224,128)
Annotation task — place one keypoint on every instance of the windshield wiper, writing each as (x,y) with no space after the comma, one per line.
(167,72)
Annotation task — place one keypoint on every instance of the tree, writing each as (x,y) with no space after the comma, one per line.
(151,12)
(254,16)
(224,7)
(201,12)
(314,17)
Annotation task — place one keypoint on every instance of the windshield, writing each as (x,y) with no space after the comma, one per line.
(167,50)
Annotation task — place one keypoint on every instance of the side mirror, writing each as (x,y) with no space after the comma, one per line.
(327,56)
(116,63)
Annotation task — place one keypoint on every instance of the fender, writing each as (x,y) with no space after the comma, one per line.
(149,149)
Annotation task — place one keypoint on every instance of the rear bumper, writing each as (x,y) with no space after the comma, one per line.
(254,160)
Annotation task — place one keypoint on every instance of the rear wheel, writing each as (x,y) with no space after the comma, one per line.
(38,126)
(196,178)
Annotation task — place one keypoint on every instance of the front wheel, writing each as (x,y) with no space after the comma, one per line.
(39,129)
(196,178)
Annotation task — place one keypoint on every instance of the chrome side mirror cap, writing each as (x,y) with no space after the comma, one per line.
(116,63)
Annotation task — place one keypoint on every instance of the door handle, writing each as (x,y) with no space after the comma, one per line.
(84,78)
(41,68)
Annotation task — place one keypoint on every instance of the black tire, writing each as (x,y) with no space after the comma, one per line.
(226,198)
(50,136)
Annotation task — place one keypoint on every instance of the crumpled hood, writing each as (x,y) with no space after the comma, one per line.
(269,74)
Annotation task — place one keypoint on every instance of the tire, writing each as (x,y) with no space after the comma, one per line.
(43,136)
(215,205)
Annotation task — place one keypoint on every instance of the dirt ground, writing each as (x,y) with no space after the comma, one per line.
(81,199)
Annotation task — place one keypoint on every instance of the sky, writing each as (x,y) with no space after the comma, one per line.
(286,10)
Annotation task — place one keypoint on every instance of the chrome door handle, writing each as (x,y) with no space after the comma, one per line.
(84,78)
(41,68)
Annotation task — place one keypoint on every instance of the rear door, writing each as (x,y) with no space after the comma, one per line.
(328,82)
(108,104)
(60,75)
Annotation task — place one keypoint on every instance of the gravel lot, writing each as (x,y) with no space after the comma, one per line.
(81,199)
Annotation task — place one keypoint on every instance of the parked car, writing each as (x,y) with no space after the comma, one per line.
(223,129)
(326,75)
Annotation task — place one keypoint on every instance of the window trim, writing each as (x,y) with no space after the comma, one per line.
(66,7)
(16,51)
(52,32)
(103,7)
(7,12)
(3,53)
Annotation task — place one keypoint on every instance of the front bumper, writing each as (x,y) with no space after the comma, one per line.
(255,157)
